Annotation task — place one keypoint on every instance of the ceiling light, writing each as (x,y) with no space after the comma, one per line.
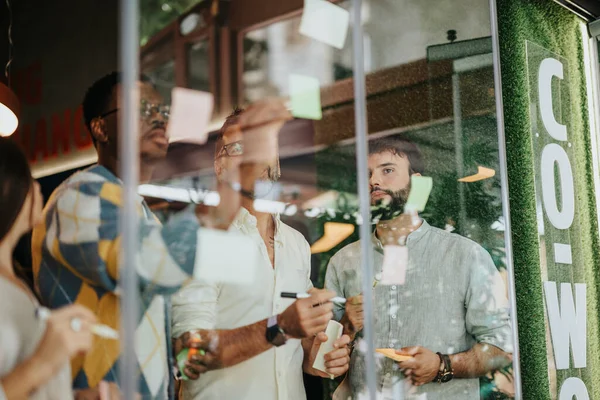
(9,111)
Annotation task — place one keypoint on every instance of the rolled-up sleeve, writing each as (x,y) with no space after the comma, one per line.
(488,315)
(195,307)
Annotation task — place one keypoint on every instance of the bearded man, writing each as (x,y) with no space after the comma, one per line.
(450,317)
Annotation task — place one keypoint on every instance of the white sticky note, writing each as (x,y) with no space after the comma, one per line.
(305,97)
(191,111)
(334,332)
(325,22)
(226,257)
(395,262)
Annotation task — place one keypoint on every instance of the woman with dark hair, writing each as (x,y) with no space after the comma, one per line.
(35,344)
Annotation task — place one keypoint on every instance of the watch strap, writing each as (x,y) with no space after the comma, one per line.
(446,373)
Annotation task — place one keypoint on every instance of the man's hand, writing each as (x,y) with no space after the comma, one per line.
(260,124)
(307,317)
(353,319)
(422,368)
(337,361)
(208,353)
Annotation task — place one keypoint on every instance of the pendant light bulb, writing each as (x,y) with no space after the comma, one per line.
(9,111)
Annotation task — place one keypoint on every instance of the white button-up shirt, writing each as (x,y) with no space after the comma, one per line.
(277,373)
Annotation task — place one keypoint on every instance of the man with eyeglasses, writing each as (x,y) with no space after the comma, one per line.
(76,252)
(254,360)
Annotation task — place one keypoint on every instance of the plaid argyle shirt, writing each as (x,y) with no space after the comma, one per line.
(75,260)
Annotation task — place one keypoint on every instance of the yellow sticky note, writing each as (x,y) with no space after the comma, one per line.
(335,233)
(482,173)
(419,193)
(391,353)
(305,97)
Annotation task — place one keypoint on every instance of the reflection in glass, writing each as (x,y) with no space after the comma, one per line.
(198,66)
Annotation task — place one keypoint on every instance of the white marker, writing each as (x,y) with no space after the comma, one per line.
(290,295)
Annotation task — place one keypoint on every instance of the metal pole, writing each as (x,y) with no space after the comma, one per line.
(129,173)
(362,146)
(505,197)
(458,151)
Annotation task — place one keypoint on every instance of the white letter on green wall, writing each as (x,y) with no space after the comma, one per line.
(573,387)
(568,323)
(550,68)
(554,155)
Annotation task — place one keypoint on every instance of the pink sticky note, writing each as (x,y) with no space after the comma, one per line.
(395,262)
(191,111)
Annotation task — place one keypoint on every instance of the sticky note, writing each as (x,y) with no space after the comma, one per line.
(305,97)
(482,173)
(419,193)
(395,263)
(335,233)
(226,257)
(391,353)
(191,111)
(334,332)
(325,22)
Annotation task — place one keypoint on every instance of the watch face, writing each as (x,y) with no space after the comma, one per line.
(279,339)
(275,336)
(447,377)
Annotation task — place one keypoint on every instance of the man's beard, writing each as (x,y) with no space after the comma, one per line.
(386,209)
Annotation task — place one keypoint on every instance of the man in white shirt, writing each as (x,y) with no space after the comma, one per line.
(248,359)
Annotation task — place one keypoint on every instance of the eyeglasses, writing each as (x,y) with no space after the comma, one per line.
(232,150)
(147,110)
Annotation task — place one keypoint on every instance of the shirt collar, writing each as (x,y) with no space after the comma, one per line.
(244,221)
(413,236)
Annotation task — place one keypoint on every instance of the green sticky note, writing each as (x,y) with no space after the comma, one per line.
(419,193)
(305,97)
(182,357)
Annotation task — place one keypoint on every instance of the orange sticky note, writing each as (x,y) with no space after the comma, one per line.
(391,353)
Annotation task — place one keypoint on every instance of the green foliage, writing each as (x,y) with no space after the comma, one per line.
(157,14)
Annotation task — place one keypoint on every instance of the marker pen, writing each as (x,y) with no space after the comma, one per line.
(291,295)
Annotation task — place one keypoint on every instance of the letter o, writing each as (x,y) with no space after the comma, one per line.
(553,153)
(573,387)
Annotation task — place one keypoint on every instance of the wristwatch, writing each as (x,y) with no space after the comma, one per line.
(446,373)
(275,335)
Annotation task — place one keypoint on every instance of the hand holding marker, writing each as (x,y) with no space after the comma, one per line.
(101,330)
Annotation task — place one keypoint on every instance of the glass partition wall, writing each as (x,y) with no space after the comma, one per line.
(363,159)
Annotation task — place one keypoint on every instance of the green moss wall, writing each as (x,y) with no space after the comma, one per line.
(556,29)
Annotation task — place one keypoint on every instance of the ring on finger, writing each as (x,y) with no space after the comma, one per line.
(76,324)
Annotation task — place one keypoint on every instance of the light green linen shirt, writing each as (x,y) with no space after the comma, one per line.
(453,298)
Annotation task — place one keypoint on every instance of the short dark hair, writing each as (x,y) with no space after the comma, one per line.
(98,97)
(15,183)
(400,147)
(231,119)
